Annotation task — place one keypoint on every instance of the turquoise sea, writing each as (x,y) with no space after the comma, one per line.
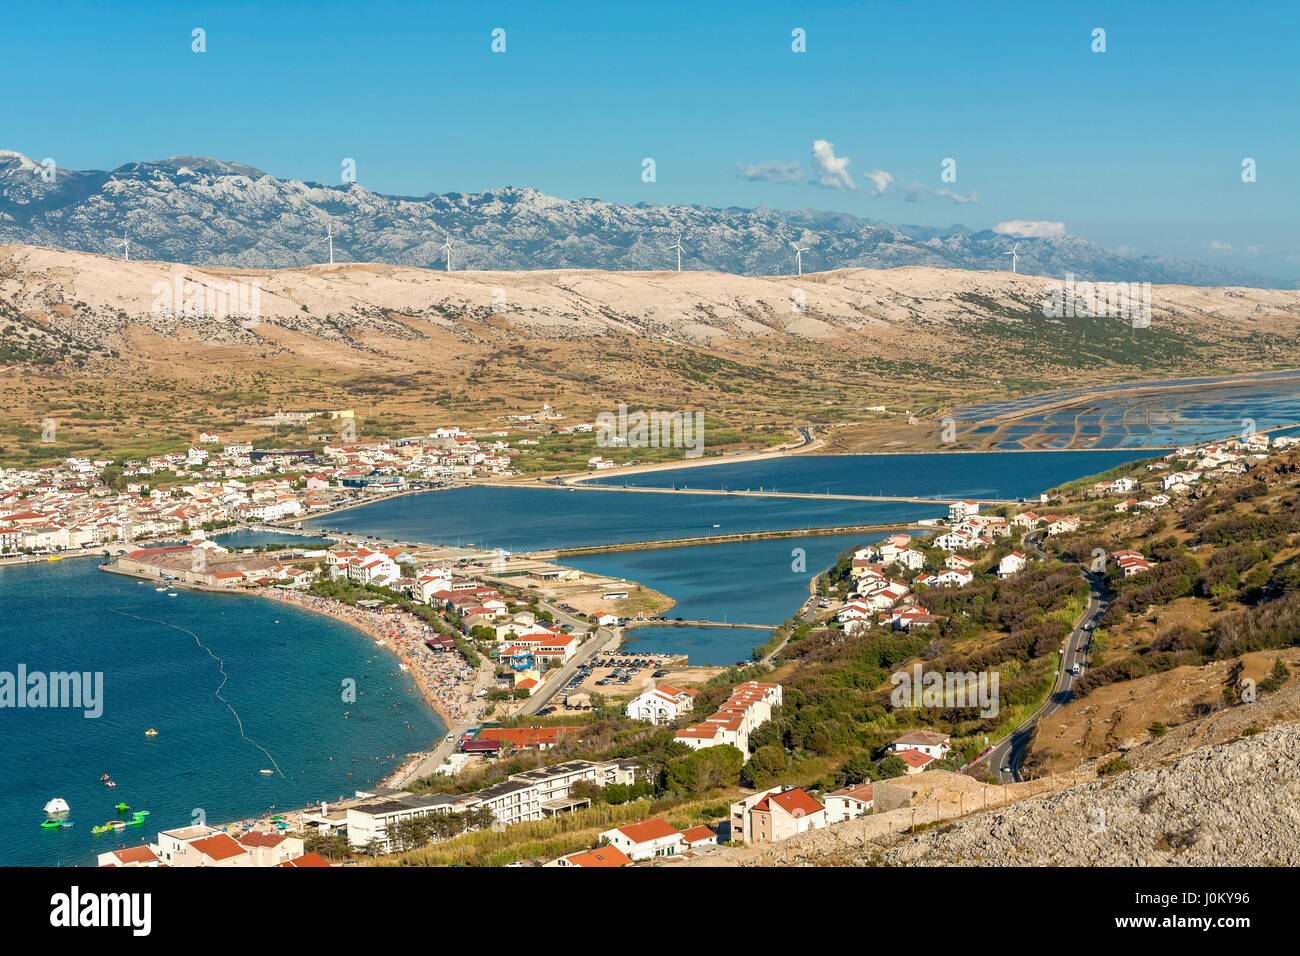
(162,656)
(283,669)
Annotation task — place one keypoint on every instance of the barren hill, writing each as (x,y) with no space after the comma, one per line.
(417,345)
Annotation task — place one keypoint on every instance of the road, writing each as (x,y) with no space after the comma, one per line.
(556,681)
(1007,753)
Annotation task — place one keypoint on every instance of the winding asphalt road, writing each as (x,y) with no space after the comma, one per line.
(1006,754)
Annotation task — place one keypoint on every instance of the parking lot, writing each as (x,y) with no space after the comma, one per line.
(624,675)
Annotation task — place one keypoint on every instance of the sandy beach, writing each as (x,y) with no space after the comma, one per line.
(446,680)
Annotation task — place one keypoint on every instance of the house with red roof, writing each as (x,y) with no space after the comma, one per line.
(601,856)
(646,840)
(776,814)
(131,856)
(749,707)
(916,760)
(849,803)
(662,704)
(699,836)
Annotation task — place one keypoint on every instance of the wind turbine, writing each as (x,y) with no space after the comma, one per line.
(328,237)
(1013,256)
(125,242)
(798,256)
(446,244)
(678,247)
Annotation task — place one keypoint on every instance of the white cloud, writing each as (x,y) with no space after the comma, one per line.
(915,192)
(880,179)
(1031,229)
(1218,246)
(832,171)
(773,172)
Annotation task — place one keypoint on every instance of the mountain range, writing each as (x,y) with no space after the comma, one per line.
(203,211)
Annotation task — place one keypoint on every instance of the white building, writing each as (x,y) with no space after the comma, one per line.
(926,741)
(960,510)
(1013,563)
(849,803)
(644,841)
(662,704)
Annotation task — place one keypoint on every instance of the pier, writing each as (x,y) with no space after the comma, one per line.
(574,485)
(557,553)
(654,622)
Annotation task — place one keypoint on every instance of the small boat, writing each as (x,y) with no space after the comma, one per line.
(151,732)
(160,589)
(110,784)
(266,772)
(717,526)
(104,778)
(171,593)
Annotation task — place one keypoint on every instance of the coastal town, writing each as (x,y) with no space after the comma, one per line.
(475,642)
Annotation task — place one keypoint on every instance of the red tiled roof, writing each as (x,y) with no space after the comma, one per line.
(859,791)
(219,847)
(914,758)
(604,856)
(696,834)
(135,854)
(648,830)
(261,839)
(795,802)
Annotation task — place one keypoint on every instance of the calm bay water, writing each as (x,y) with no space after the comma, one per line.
(752,582)
(533,519)
(945,476)
(284,667)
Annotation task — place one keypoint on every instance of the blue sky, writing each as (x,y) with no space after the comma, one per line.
(1139,147)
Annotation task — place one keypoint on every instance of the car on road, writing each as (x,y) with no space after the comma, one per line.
(1006,769)
(1075,670)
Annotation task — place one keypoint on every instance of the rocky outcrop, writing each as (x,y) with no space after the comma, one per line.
(1235,803)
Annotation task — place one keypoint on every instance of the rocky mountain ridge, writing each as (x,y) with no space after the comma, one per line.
(199,210)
